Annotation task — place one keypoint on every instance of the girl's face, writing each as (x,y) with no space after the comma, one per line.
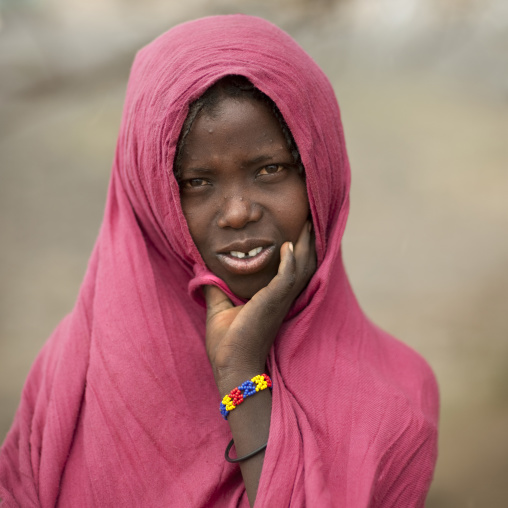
(241,193)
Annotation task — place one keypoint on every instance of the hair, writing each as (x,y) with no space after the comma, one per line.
(238,87)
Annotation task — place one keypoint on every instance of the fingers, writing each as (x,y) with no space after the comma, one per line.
(303,262)
(305,254)
(304,244)
(287,266)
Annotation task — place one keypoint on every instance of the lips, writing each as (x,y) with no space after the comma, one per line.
(243,258)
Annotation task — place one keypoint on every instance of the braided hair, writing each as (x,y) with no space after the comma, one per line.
(239,87)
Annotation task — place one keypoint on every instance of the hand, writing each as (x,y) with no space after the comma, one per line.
(238,339)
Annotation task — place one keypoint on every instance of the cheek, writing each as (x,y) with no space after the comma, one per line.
(297,210)
(198,222)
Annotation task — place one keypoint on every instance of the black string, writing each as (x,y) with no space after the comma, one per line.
(245,457)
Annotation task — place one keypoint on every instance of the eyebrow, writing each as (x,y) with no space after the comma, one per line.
(250,162)
(274,156)
(198,170)
(260,159)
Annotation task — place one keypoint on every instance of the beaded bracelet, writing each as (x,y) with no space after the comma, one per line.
(237,395)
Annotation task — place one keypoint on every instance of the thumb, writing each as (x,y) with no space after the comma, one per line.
(216,301)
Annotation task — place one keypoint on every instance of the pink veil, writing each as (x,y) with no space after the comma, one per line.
(120,407)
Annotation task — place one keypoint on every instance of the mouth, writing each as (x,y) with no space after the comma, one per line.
(241,261)
(241,255)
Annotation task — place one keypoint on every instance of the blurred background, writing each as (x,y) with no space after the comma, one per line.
(423,87)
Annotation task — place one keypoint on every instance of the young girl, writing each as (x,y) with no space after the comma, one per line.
(218,276)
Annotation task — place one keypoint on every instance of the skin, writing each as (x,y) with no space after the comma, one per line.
(239,186)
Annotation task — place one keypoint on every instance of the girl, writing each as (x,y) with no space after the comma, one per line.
(217,275)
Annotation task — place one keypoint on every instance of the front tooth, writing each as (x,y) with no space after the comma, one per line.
(255,252)
(237,254)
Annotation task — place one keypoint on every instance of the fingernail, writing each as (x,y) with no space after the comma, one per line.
(291,246)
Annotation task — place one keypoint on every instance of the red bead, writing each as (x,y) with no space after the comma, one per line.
(236,396)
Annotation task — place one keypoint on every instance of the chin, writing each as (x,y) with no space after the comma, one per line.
(245,293)
(248,289)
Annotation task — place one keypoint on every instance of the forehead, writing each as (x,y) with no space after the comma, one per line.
(242,123)
(238,111)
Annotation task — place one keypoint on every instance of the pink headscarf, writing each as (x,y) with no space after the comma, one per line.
(120,407)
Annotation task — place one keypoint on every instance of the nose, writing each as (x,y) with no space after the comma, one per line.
(237,211)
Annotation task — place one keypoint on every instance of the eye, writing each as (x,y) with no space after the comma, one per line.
(193,183)
(271,169)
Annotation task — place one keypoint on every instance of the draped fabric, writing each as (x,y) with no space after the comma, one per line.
(120,407)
